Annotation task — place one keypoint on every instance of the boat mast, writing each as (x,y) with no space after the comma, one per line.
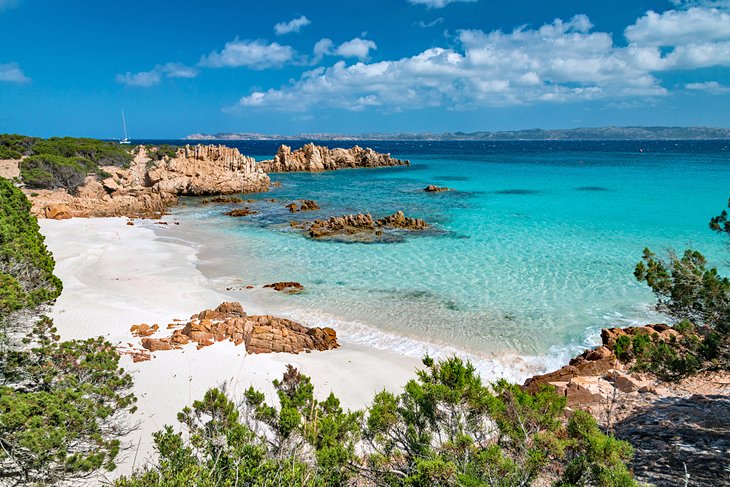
(124,123)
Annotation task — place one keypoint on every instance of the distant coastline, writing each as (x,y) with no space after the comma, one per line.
(593,133)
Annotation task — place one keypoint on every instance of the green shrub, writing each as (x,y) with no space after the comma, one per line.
(26,266)
(68,417)
(444,428)
(51,172)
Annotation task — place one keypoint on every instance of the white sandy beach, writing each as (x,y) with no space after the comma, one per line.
(115,275)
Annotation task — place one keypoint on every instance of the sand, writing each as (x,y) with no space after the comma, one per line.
(115,275)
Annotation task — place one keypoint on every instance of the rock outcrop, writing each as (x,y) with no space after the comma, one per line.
(305,205)
(289,287)
(148,188)
(314,158)
(207,170)
(432,188)
(239,212)
(362,223)
(259,334)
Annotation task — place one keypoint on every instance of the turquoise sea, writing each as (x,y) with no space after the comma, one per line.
(530,255)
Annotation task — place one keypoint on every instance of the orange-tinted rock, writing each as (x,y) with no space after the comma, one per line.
(290,287)
(238,212)
(57,212)
(156,344)
(432,188)
(259,334)
(658,331)
(313,158)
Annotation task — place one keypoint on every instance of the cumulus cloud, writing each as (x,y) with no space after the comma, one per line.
(677,27)
(712,87)
(559,61)
(562,61)
(11,73)
(294,25)
(357,47)
(436,3)
(256,54)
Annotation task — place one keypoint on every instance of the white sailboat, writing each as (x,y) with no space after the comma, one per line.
(125,140)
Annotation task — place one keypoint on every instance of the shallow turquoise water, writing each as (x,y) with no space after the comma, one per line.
(532,253)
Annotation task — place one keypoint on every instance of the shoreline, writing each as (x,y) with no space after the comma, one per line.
(105,292)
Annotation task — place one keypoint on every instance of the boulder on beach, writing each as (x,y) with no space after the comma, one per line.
(259,334)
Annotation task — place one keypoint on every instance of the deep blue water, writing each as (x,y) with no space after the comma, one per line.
(532,253)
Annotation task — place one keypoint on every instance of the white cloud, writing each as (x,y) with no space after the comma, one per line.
(677,27)
(712,87)
(322,48)
(251,54)
(154,76)
(426,25)
(436,3)
(558,62)
(11,73)
(144,78)
(357,47)
(294,25)
(177,70)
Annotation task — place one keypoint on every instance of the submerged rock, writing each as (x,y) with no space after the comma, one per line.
(432,188)
(289,287)
(306,205)
(314,158)
(238,212)
(259,334)
(362,223)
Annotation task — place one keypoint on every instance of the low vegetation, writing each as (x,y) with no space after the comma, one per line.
(445,428)
(61,162)
(63,405)
(26,266)
(698,297)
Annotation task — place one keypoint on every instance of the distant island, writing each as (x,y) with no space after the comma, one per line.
(589,133)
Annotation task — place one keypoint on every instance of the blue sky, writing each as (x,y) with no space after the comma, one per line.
(69,67)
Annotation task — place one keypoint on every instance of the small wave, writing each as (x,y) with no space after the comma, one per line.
(509,365)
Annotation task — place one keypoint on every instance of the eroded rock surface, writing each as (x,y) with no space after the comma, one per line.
(315,158)
(259,334)
(668,424)
(239,212)
(289,287)
(432,188)
(148,188)
(304,205)
(362,223)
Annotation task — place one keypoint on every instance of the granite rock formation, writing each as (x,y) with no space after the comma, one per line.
(362,223)
(259,334)
(147,188)
(432,188)
(314,158)
(289,287)
(239,212)
(305,205)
